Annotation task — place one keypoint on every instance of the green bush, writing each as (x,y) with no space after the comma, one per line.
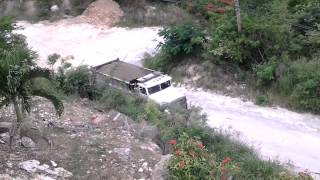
(79,80)
(160,62)
(262,100)
(266,73)
(302,83)
(298,5)
(193,161)
(118,100)
(261,38)
(152,113)
(308,21)
(181,40)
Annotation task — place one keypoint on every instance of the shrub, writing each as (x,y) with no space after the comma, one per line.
(182,39)
(308,21)
(266,73)
(160,62)
(193,161)
(302,83)
(262,100)
(152,113)
(79,80)
(118,100)
(261,38)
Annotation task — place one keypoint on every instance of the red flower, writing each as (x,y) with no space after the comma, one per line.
(192,154)
(226,160)
(220,10)
(209,7)
(182,164)
(173,142)
(200,145)
(227,2)
(178,152)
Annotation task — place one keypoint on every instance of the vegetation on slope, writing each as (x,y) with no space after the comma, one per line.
(181,132)
(277,47)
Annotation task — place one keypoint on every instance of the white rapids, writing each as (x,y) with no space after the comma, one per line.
(89,44)
(276,133)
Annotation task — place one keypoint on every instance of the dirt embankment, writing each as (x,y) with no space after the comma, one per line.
(88,143)
(102,12)
(99,12)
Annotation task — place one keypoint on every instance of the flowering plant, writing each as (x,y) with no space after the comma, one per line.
(191,160)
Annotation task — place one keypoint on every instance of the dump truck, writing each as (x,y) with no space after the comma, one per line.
(148,83)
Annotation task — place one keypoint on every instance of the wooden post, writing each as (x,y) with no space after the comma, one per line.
(238,14)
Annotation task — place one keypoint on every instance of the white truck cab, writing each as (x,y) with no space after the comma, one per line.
(158,88)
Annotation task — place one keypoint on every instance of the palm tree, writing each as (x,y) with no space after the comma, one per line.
(19,78)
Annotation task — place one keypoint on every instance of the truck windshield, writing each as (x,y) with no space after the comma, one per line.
(154,89)
(165,85)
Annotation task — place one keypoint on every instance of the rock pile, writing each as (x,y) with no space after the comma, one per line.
(101,12)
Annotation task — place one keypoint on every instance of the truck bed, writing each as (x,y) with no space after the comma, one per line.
(122,71)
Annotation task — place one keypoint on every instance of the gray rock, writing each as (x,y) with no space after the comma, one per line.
(145,166)
(31,166)
(123,153)
(42,177)
(160,171)
(140,170)
(5,137)
(62,172)
(27,142)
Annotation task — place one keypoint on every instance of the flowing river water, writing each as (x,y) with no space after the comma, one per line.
(276,133)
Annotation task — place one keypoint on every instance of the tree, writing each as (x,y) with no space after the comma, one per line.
(19,77)
(181,39)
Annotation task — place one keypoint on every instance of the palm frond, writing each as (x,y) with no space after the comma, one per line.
(36,73)
(57,103)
